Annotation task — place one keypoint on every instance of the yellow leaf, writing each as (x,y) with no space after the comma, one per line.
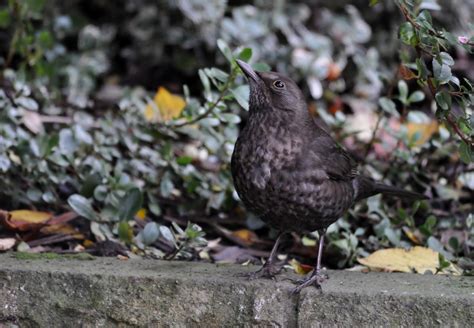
(247,236)
(414,236)
(417,259)
(141,214)
(30,216)
(300,268)
(424,131)
(169,106)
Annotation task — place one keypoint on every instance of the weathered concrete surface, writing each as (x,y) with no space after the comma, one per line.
(107,292)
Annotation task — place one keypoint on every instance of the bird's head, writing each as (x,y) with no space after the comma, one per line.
(273,91)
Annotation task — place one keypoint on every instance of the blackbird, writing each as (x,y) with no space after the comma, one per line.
(290,172)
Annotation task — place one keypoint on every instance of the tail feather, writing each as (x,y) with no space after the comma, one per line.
(365,187)
(398,192)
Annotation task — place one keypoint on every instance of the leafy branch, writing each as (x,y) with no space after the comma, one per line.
(210,109)
(419,33)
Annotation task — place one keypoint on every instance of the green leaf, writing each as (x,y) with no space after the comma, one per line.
(427,227)
(205,83)
(34,194)
(261,67)
(230,118)
(443,99)
(436,245)
(130,204)
(184,160)
(466,153)
(125,232)
(430,5)
(388,106)
(416,96)
(245,54)
(422,70)
(441,72)
(224,48)
(407,34)
(34,6)
(403,90)
(167,234)
(446,58)
(82,206)
(166,185)
(241,94)
(4,18)
(45,39)
(373,2)
(67,142)
(150,233)
(47,144)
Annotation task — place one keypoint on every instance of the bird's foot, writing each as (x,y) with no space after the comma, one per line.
(315,280)
(268,271)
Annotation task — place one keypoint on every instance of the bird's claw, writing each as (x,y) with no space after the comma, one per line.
(314,280)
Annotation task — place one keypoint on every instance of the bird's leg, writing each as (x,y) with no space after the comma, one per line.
(316,278)
(269,269)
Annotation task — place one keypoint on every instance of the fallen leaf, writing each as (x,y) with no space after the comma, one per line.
(406,73)
(64,218)
(300,268)
(24,220)
(65,229)
(7,243)
(247,236)
(33,122)
(141,214)
(334,71)
(414,236)
(169,106)
(336,106)
(424,131)
(417,259)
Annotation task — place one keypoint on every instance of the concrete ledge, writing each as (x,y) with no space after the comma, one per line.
(108,292)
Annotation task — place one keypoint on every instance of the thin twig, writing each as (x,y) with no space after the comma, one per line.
(203,115)
(374,133)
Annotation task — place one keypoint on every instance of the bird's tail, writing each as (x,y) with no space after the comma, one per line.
(366,187)
(398,192)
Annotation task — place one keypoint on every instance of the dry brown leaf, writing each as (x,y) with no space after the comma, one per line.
(65,229)
(169,106)
(417,259)
(406,73)
(7,243)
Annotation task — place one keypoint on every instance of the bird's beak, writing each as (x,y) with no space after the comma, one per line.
(248,70)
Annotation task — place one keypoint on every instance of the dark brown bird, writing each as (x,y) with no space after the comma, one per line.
(289,171)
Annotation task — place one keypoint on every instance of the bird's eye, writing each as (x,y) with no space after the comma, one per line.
(279,84)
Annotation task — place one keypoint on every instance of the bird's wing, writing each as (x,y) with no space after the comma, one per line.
(324,153)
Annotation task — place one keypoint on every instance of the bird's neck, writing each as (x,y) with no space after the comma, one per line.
(275,120)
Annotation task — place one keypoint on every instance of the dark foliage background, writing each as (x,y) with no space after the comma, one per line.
(82,129)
